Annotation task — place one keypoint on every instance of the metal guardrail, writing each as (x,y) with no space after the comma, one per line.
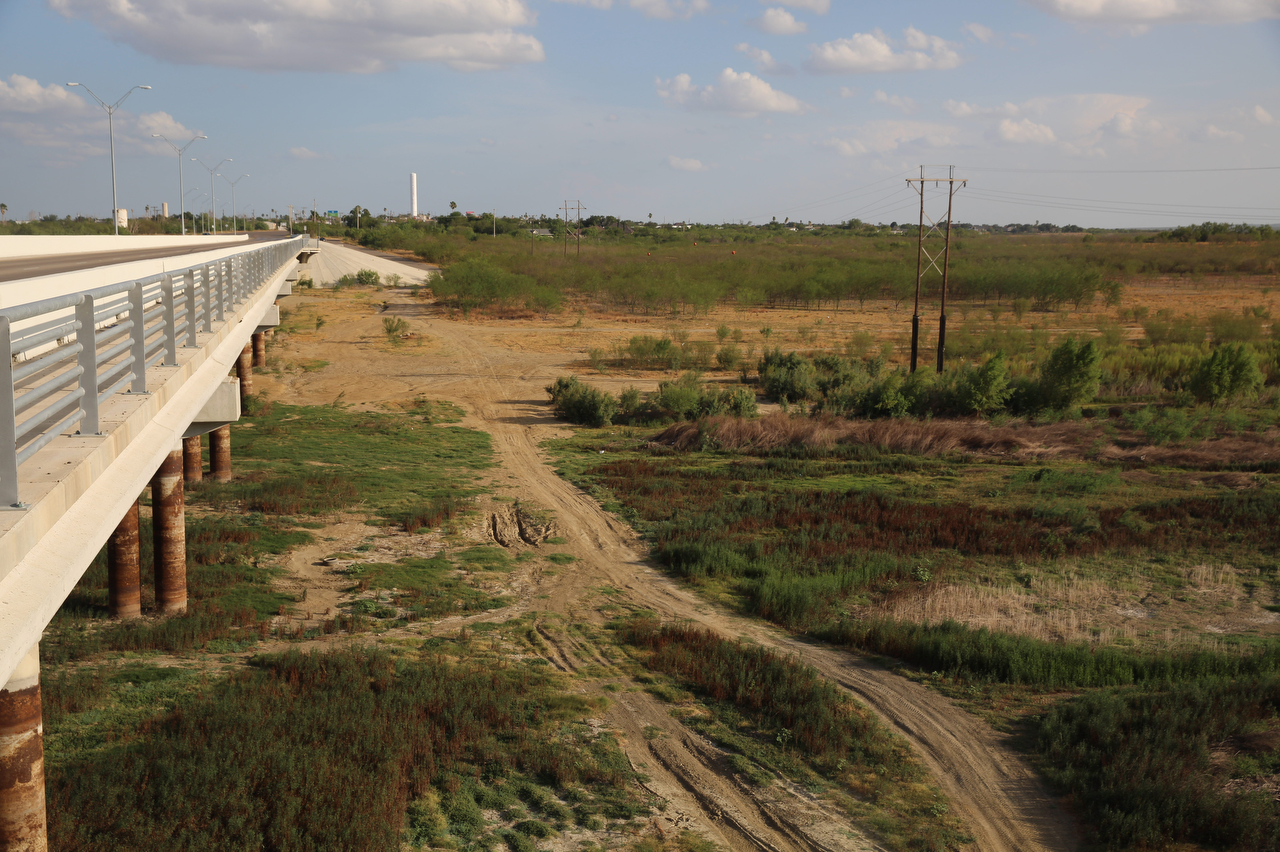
(62,358)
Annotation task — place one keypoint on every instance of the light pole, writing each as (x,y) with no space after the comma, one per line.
(182,217)
(233,197)
(213,196)
(111,131)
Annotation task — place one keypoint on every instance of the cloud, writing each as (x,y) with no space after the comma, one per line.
(598,4)
(366,37)
(765,63)
(1213,133)
(880,137)
(69,127)
(818,7)
(1160,11)
(683,164)
(739,93)
(779,22)
(848,92)
(978,31)
(898,102)
(23,94)
(667,10)
(1026,130)
(1262,116)
(304,154)
(874,51)
(962,109)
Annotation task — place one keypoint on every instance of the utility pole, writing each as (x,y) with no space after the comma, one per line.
(954,185)
(579,228)
(566,227)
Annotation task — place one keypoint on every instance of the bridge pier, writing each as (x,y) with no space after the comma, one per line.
(259,348)
(168,524)
(244,372)
(124,583)
(220,454)
(192,462)
(23,825)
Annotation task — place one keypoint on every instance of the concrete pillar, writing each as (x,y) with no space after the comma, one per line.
(244,372)
(259,343)
(124,584)
(192,463)
(220,454)
(168,524)
(23,827)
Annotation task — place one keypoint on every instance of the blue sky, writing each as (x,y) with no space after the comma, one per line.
(1095,112)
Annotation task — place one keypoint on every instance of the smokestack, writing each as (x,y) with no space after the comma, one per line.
(413,194)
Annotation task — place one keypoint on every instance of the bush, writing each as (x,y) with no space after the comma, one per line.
(582,404)
(788,378)
(368,278)
(985,389)
(1070,375)
(1229,372)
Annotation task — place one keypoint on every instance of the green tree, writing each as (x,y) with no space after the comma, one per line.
(4,208)
(1069,376)
(357,217)
(986,388)
(1229,372)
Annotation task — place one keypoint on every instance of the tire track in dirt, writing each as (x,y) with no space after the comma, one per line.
(990,787)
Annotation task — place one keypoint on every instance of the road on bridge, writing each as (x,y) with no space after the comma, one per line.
(17,268)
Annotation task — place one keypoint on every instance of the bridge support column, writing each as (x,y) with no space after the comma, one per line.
(168,524)
(23,826)
(259,348)
(220,454)
(192,462)
(244,372)
(124,585)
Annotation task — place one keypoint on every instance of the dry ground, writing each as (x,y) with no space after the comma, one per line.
(496,371)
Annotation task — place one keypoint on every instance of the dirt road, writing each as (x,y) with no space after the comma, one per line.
(497,374)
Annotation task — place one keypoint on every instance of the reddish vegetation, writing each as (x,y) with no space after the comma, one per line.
(939,437)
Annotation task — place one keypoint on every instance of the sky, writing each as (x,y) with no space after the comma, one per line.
(1100,113)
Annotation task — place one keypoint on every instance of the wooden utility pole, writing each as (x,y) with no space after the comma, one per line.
(579,228)
(566,227)
(954,184)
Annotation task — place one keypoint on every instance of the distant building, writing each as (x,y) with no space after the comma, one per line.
(541,232)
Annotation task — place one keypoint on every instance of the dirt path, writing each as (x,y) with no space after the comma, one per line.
(500,386)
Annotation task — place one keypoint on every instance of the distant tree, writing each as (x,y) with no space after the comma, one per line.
(1231,371)
(453,205)
(357,217)
(4,208)
(1069,376)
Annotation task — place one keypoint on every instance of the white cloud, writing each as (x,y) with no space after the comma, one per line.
(978,31)
(23,94)
(963,109)
(819,7)
(599,4)
(898,102)
(667,10)
(848,92)
(289,35)
(1160,11)
(779,22)
(740,93)
(70,127)
(683,164)
(1262,116)
(874,51)
(880,137)
(1025,130)
(301,153)
(1214,133)
(765,63)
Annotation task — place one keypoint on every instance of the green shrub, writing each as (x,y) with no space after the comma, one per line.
(985,389)
(1230,371)
(582,404)
(1070,375)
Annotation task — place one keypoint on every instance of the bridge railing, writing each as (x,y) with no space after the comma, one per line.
(62,358)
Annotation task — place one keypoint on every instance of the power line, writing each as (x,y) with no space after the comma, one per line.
(1120,171)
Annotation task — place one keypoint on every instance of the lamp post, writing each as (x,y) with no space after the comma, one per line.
(111,131)
(213,196)
(233,197)
(182,216)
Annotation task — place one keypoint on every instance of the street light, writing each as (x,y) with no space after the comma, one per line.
(182,216)
(233,197)
(213,196)
(111,130)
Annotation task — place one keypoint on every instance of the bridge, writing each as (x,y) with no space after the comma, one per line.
(109,378)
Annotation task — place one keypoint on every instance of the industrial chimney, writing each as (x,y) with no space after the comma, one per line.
(413,194)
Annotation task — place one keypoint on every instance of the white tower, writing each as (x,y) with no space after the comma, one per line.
(413,194)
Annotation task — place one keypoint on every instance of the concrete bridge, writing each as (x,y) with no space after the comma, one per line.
(109,378)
